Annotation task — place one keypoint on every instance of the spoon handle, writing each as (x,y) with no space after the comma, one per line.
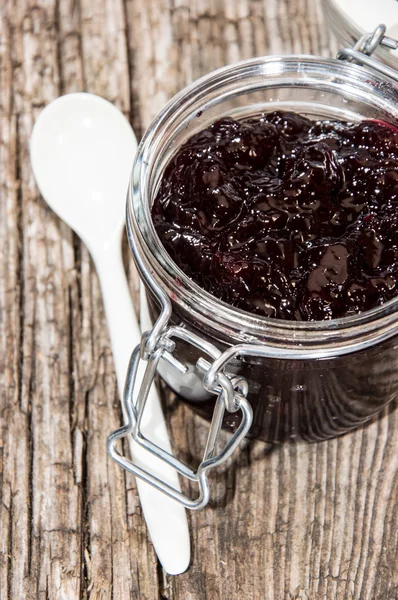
(165,518)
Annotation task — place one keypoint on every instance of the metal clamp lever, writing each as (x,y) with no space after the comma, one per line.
(231,395)
(364,48)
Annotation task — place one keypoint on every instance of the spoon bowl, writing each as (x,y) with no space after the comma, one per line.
(78,141)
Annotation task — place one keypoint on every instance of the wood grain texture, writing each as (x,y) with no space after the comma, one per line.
(293,522)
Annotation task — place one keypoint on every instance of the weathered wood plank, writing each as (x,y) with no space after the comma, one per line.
(308,522)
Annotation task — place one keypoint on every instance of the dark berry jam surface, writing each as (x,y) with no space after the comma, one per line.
(286,217)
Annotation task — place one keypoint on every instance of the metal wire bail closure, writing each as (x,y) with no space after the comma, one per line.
(231,395)
(364,48)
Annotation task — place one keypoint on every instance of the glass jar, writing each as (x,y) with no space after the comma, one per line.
(303,380)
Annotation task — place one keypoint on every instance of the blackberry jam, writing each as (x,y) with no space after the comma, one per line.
(285,217)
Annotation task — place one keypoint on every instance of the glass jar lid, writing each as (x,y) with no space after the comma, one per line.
(350,19)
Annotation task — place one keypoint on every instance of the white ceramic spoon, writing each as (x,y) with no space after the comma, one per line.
(82,150)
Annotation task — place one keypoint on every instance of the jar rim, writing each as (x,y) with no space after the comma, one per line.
(366,328)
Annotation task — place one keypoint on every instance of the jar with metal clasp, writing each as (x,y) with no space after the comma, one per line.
(267,378)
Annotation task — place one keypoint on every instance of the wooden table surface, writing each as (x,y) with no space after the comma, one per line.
(299,521)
